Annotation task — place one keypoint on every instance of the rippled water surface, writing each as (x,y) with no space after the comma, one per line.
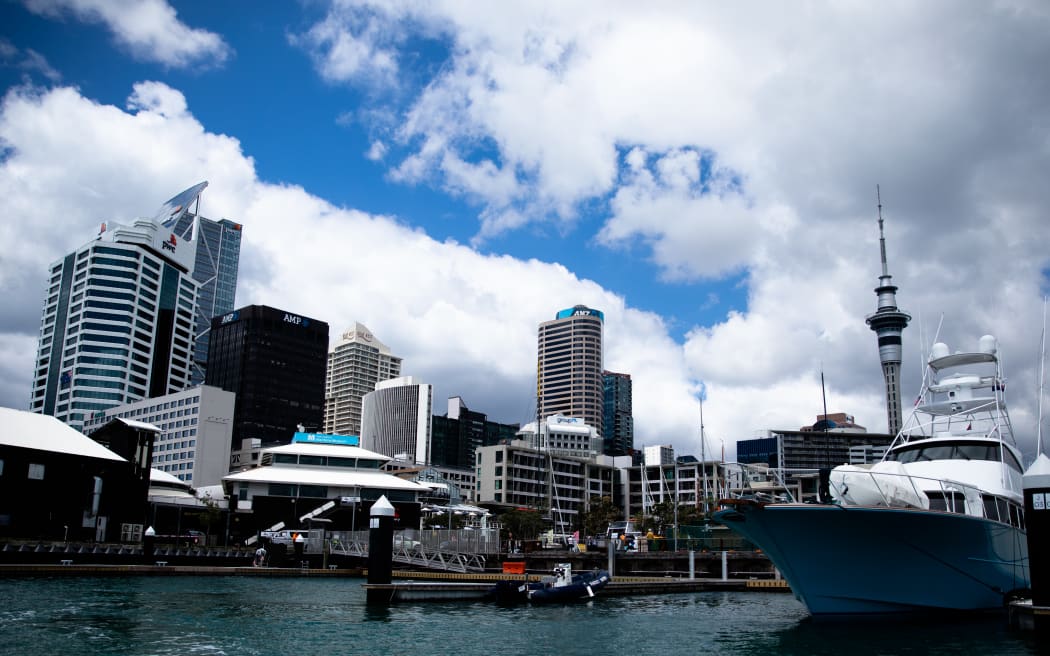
(249,615)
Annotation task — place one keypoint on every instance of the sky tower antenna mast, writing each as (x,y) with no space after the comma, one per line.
(888,322)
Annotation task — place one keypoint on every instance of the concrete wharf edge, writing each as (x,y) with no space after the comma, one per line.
(442,584)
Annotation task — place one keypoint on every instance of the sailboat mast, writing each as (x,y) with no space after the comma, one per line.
(703,456)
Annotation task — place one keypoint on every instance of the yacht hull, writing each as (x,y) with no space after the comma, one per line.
(867,560)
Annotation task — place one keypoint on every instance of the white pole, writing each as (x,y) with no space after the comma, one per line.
(1042,360)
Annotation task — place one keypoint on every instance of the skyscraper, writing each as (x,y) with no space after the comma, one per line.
(274,361)
(215,266)
(355,364)
(618,414)
(569,366)
(395,419)
(889,322)
(117,324)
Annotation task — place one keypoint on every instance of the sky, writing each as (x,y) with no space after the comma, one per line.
(453,173)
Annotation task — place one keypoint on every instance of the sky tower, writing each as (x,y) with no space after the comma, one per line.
(889,322)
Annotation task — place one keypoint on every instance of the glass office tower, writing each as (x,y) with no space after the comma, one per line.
(117,324)
(215,267)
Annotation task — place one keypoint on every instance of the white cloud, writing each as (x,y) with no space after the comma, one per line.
(29,61)
(463,321)
(746,141)
(352,45)
(376,151)
(149,29)
(157,98)
(720,141)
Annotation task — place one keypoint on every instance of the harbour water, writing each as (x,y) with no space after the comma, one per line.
(239,616)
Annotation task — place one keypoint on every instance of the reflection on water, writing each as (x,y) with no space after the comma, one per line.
(242,615)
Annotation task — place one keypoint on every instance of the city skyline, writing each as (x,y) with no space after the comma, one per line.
(451,175)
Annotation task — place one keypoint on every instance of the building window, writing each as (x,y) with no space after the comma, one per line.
(315,491)
(36,472)
(282,490)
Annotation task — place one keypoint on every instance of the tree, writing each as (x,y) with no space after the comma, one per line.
(522,524)
(598,515)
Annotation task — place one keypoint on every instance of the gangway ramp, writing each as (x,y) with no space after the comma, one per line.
(416,554)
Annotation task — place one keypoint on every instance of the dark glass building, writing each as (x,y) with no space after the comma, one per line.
(274,361)
(617,415)
(215,268)
(455,436)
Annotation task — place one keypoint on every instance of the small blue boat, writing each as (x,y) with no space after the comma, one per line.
(561,586)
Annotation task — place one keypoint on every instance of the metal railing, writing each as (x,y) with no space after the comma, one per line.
(898,489)
(452,551)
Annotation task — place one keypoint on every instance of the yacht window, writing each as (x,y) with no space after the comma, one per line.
(977,452)
(1004,509)
(1011,460)
(1016,516)
(285,458)
(312,460)
(991,511)
(938,452)
(947,501)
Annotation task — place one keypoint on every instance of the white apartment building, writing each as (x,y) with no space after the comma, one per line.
(196,430)
(355,364)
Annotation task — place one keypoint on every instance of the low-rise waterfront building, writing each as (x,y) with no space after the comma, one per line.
(58,484)
(518,474)
(685,482)
(196,431)
(794,455)
(295,480)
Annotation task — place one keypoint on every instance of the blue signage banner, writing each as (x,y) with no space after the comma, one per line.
(327,438)
(580,311)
